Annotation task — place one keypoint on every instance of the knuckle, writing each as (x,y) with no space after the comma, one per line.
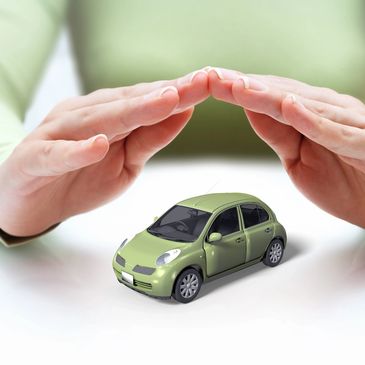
(352,101)
(320,109)
(64,104)
(105,93)
(346,133)
(125,107)
(84,113)
(315,131)
(345,138)
(328,91)
(47,149)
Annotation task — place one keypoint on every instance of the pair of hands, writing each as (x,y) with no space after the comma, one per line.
(90,148)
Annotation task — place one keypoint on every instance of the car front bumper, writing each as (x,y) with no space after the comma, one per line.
(159,284)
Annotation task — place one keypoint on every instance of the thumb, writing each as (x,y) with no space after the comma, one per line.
(52,158)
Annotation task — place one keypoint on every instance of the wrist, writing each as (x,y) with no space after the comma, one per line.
(10,240)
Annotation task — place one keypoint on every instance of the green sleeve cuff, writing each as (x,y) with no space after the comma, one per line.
(12,241)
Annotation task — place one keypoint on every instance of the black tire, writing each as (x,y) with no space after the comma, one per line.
(181,292)
(274,253)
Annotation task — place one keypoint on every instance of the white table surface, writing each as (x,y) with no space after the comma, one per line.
(59,298)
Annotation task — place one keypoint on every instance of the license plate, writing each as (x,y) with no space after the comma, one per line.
(127,277)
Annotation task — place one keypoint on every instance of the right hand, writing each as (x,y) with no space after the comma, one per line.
(90,148)
(318,134)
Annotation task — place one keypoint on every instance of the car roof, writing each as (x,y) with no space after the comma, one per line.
(211,202)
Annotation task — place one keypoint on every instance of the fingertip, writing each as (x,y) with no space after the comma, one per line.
(200,83)
(97,145)
(199,76)
(289,105)
(296,114)
(99,139)
(214,72)
(213,76)
(221,89)
(238,87)
(169,91)
(170,95)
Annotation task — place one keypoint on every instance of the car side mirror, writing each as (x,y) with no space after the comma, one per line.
(214,237)
(155,219)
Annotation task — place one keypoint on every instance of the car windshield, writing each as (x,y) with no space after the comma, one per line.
(180,223)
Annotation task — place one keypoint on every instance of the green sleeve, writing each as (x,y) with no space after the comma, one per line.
(28,30)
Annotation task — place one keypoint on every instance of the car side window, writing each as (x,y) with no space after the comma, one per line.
(250,215)
(226,222)
(263,214)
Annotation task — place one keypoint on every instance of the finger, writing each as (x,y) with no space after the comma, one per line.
(269,101)
(220,84)
(144,142)
(53,158)
(247,92)
(283,139)
(322,94)
(258,97)
(191,87)
(335,113)
(341,139)
(226,78)
(115,118)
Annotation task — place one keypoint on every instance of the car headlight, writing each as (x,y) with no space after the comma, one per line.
(123,243)
(167,257)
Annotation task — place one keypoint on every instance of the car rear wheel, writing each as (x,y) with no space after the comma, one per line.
(187,286)
(274,253)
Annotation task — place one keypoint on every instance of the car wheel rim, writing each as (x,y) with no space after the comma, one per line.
(275,252)
(189,285)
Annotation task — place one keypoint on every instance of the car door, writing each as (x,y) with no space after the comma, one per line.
(258,228)
(230,250)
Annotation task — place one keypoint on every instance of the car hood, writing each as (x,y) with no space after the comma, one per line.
(144,248)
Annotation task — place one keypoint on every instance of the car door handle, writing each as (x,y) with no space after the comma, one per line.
(268,229)
(240,239)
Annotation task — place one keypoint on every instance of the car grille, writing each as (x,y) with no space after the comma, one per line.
(144,270)
(142,284)
(120,260)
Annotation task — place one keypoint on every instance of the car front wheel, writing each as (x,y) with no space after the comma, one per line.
(187,286)
(274,253)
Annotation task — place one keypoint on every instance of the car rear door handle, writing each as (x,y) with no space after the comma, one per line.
(268,229)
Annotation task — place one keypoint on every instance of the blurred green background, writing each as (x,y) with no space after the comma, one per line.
(126,42)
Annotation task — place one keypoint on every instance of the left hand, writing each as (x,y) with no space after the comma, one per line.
(91,148)
(318,134)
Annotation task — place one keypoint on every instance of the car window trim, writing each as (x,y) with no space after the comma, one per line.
(258,224)
(216,216)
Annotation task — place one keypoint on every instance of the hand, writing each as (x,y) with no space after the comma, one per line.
(318,134)
(90,149)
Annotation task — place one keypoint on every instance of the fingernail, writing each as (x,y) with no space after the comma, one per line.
(91,140)
(252,84)
(168,89)
(216,70)
(292,98)
(203,71)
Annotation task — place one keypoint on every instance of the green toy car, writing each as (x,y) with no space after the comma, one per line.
(197,240)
